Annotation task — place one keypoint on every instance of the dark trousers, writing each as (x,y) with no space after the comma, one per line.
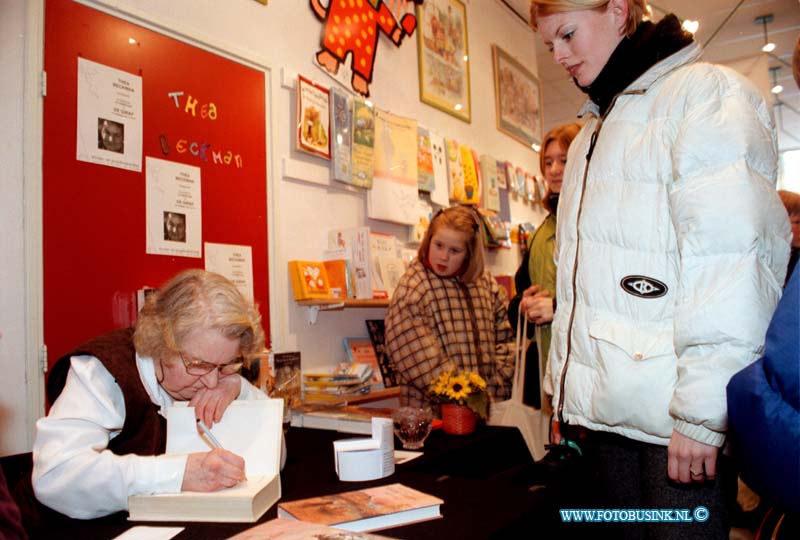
(632,475)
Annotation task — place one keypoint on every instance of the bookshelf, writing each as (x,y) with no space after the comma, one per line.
(329,304)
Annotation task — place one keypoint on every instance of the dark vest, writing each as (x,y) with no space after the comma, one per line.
(145,431)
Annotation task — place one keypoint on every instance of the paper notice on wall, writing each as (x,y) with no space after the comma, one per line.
(109,116)
(174,209)
(234,262)
(394,196)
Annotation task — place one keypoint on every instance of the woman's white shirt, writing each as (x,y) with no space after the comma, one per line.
(74,472)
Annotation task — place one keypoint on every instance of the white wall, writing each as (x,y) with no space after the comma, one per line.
(284,36)
(13,409)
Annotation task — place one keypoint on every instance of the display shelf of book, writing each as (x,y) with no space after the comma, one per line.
(327,304)
(375,395)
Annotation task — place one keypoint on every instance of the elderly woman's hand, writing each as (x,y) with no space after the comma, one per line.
(211,471)
(210,403)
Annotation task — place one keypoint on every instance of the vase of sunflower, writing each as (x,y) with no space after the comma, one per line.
(463,399)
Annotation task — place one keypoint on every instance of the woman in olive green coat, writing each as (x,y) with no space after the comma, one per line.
(536,276)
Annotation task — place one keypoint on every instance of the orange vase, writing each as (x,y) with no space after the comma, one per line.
(457,419)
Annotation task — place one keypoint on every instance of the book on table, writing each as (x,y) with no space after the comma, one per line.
(289,529)
(344,418)
(360,350)
(365,510)
(251,429)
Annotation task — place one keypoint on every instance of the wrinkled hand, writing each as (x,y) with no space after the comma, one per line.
(211,471)
(211,403)
(536,305)
(689,460)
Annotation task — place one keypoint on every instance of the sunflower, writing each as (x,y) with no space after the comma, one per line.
(476,381)
(458,387)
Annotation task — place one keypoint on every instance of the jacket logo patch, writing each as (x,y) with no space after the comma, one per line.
(643,287)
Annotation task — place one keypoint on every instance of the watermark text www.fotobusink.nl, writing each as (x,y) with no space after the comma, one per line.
(664,515)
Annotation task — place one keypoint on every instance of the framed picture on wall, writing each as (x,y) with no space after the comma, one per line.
(442,47)
(518,99)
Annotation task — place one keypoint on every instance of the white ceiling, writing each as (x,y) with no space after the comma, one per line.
(739,38)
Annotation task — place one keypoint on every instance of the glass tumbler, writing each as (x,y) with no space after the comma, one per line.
(412,426)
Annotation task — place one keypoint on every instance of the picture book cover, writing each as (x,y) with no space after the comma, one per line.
(313,122)
(377,334)
(309,280)
(491,195)
(342,134)
(360,350)
(363,154)
(365,509)
(286,367)
(356,243)
(425,178)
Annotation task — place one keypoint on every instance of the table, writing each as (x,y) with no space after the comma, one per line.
(483,478)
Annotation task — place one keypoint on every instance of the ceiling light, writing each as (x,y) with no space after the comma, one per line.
(768,46)
(690,26)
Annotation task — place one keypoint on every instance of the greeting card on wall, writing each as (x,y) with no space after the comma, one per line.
(502,183)
(491,195)
(233,262)
(530,187)
(342,135)
(174,209)
(472,189)
(393,196)
(424,217)
(353,28)
(522,188)
(363,157)
(455,171)
(511,177)
(440,193)
(109,116)
(313,117)
(425,176)
(518,99)
(444,57)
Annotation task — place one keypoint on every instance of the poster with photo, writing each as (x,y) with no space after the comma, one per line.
(109,116)
(174,210)
(234,262)
(313,118)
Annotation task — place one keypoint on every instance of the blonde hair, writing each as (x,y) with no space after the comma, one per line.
(791,201)
(638,10)
(192,300)
(465,220)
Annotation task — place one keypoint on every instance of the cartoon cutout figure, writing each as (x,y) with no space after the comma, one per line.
(352,26)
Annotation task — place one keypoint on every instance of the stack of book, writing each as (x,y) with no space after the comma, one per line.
(332,384)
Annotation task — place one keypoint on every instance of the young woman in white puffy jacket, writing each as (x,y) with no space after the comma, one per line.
(672,247)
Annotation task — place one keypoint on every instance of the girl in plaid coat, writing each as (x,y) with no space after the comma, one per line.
(448,312)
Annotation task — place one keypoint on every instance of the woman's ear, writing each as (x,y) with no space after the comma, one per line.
(619,11)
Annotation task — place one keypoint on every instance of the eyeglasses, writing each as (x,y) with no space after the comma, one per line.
(201,367)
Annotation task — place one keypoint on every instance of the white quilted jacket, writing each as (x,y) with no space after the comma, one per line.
(671,250)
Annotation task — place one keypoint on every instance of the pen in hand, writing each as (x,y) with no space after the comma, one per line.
(208,434)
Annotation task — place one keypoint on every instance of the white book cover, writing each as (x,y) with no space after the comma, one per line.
(251,429)
(355,241)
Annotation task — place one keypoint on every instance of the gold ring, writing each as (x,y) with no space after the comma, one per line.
(695,474)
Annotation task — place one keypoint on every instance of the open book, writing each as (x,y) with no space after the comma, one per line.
(251,429)
(365,510)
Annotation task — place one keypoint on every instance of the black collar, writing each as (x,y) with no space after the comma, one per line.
(634,55)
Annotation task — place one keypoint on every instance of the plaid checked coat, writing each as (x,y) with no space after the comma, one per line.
(435,324)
